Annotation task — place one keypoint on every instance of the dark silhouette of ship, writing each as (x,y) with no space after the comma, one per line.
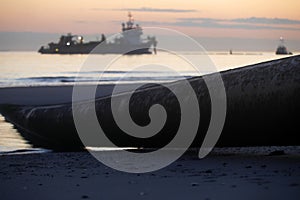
(281,49)
(129,41)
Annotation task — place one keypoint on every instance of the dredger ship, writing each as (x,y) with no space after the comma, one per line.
(130,41)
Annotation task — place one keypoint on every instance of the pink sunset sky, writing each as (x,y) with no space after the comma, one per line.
(218,24)
(213,18)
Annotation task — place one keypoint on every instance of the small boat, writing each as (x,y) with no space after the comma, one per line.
(281,49)
(130,41)
(263,105)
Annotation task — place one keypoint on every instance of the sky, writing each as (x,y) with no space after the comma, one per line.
(243,19)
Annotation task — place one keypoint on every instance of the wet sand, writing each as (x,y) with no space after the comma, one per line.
(49,95)
(219,176)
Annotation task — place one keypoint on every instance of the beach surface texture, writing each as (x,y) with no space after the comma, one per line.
(274,173)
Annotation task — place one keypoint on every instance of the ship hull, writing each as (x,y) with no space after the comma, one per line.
(97,48)
(263,105)
(282,50)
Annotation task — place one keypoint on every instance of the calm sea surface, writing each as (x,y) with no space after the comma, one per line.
(33,69)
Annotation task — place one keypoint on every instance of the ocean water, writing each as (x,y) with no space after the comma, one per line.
(24,69)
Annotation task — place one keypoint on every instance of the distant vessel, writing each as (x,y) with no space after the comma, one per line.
(130,41)
(281,49)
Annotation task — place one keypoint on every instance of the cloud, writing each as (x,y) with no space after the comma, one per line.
(80,21)
(263,20)
(149,9)
(253,23)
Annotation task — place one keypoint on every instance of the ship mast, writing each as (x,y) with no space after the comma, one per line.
(281,41)
(130,22)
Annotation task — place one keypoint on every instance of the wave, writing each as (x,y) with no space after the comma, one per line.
(70,79)
(122,72)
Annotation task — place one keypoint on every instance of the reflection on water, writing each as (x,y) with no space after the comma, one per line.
(10,139)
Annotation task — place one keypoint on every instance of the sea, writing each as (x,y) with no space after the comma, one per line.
(29,69)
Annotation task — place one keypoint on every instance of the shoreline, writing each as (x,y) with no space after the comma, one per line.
(46,95)
(54,94)
(241,151)
(32,95)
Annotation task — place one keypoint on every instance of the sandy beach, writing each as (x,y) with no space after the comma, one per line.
(227,175)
